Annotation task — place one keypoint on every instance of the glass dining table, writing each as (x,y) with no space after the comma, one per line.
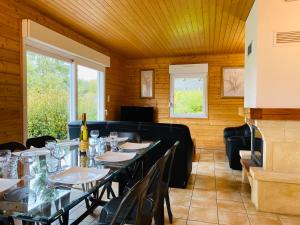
(37,200)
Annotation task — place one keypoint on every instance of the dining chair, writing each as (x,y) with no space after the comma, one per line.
(39,142)
(132,136)
(166,180)
(132,208)
(12,146)
(6,220)
(150,204)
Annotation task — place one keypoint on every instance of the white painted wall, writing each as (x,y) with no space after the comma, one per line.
(251,60)
(272,72)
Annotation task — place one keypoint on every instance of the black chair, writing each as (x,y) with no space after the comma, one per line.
(236,139)
(142,211)
(166,181)
(132,136)
(39,142)
(6,220)
(13,146)
(131,208)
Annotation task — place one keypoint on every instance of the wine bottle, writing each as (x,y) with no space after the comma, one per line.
(84,144)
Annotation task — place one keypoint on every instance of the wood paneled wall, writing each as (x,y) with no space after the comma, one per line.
(11,100)
(222,112)
(122,86)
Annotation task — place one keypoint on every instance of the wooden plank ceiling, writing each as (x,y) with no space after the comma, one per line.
(151,28)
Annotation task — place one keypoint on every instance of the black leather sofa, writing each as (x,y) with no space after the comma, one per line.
(167,133)
(235,139)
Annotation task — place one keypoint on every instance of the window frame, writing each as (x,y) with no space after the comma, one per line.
(57,54)
(202,75)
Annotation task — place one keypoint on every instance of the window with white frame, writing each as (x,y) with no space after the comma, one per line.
(55,96)
(188,94)
(62,79)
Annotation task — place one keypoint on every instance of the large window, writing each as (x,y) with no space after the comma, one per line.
(188,95)
(58,93)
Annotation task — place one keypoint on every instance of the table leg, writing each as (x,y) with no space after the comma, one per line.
(65,218)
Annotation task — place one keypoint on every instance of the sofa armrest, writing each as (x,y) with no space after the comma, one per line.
(233,146)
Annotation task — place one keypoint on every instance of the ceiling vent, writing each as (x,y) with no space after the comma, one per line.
(287,37)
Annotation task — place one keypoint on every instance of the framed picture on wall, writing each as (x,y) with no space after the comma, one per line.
(147,83)
(232,82)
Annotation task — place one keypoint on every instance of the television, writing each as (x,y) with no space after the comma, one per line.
(137,113)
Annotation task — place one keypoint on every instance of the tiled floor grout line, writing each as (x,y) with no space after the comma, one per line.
(216,188)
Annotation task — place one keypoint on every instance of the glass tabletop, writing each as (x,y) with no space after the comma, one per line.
(37,199)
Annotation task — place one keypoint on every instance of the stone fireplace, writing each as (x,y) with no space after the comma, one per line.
(275,187)
(271,87)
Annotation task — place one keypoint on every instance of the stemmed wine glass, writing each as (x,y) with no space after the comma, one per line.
(59,153)
(27,158)
(94,134)
(50,145)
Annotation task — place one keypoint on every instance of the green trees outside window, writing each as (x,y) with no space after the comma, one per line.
(48,95)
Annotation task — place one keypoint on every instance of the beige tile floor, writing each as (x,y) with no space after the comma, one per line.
(214,195)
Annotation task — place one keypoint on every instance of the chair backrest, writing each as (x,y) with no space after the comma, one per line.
(149,186)
(38,142)
(169,164)
(159,186)
(135,198)
(6,220)
(132,136)
(12,146)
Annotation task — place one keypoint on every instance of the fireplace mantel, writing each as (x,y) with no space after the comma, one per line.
(270,113)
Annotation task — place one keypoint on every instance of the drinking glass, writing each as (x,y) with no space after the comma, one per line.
(11,167)
(27,158)
(113,141)
(50,145)
(113,134)
(94,134)
(59,153)
(102,145)
(4,157)
(52,165)
(91,152)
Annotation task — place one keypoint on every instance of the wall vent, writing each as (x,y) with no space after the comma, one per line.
(287,37)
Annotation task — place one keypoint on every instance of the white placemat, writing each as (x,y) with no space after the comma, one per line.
(112,157)
(78,175)
(6,184)
(134,146)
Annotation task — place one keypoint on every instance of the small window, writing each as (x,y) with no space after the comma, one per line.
(188,95)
